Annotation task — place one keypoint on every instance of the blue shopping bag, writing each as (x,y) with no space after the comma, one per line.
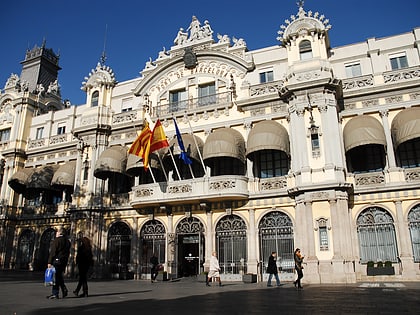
(49,278)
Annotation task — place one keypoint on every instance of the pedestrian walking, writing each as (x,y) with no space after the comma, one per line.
(299,268)
(58,257)
(214,270)
(84,260)
(154,261)
(272,269)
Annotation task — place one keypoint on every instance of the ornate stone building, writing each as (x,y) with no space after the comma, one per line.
(295,145)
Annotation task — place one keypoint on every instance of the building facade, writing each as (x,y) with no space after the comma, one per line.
(295,145)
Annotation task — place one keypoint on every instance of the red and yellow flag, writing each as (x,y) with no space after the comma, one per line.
(141,145)
(158,139)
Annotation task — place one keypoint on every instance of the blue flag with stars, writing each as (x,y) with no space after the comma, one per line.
(183,156)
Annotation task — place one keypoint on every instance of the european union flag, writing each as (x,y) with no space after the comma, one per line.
(183,156)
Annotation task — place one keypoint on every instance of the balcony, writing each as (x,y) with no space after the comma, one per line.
(216,188)
(214,102)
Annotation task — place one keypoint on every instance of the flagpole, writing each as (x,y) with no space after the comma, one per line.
(151,173)
(173,160)
(163,167)
(192,173)
(198,149)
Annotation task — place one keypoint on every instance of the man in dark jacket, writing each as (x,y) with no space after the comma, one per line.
(154,261)
(59,256)
(272,269)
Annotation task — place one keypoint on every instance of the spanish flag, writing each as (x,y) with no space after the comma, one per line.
(141,145)
(158,139)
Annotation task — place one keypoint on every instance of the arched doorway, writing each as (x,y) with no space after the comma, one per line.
(276,234)
(376,232)
(44,249)
(190,247)
(25,250)
(153,240)
(119,247)
(231,242)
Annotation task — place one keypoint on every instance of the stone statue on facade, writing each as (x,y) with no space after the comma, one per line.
(238,42)
(223,38)
(195,32)
(194,28)
(54,88)
(181,37)
(12,81)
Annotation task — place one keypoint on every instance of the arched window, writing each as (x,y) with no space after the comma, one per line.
(366,158)
(153,239)
(276,234)
(270,163)
(25,249)
(305,50)
(231,243)
(376,232)
(414,226)
(408,153)
(95,99)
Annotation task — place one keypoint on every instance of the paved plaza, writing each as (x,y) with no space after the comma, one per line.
(24,293)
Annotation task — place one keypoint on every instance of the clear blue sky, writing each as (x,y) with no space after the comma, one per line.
(137,30)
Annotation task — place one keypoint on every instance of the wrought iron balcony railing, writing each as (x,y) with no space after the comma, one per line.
(200,104)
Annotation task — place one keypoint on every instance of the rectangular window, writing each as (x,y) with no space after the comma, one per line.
(177,100)
(266,76)
(398,61)
(323,238)
(126,105)
(207,94)
(5,135)
(353,70)
(61,129)
(39,133)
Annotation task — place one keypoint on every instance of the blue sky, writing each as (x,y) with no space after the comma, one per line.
(137,30)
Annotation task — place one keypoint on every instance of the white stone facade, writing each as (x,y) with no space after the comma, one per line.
(278,134)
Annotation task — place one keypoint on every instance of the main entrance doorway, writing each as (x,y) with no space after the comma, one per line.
(190,247)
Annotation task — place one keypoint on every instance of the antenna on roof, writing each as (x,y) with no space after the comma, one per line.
(103,57)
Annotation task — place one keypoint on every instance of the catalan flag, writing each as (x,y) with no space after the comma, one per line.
(141,146)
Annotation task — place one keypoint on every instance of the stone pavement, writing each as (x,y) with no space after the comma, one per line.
(23,293)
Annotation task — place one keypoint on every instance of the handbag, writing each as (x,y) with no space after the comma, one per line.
(49,276)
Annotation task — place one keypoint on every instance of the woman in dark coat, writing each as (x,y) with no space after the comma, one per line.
(84,260)
(299,268)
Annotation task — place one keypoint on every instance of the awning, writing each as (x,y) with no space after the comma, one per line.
(189,145)
(41,177)
(268,135)
(64,176)
(135,164)
(112,160)
(363,130)
(225,142)
(406,125)
(19,180)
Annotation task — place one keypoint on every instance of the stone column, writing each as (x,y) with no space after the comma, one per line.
(311,260)
(252,248)
(135,248)
(170,248)
(407,264)
(336,230)
(79,166)
(209,239)
(389,145)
